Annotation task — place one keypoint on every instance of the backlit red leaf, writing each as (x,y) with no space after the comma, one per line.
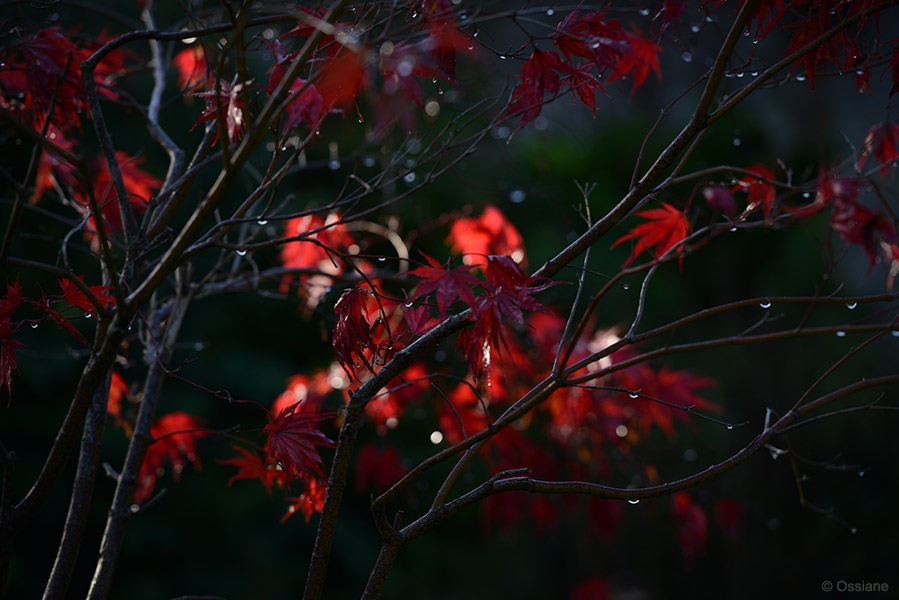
(448,285)
(491,233)
(666,227)
(882,142)
(227,101)
(292,440)
(76,298)
(352,339)
(175,440)
(191,66)
(251,466)
(761,193)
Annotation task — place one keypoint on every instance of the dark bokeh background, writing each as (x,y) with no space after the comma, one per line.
(204,538)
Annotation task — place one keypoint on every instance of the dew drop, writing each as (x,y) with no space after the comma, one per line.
(502,57)
(408,304)
(841,334)
(733,229)
(709,19)
(634,394)
(627,287)
(852,305)
(800,78)
(381,259)
(517,196)
(34,324)
(409,177)
(755,41)
(644,12)
(737,142)
(861,473)
(687,57)
(754,73)
(333,164)
(368,161)
(853,531)
(806,195)
(695,28)
(87,315)
(765,304)
(740,74)
(241,252)
(894,333)
(550,12)
(730,426)
(262,221)
(633,501)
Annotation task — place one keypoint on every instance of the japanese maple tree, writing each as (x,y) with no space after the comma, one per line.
(323,191)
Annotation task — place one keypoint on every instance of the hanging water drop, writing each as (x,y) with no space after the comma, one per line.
(852,305)
(737,142)
(733,229)
(381,259)
(87,315)
(806,194)
(644,12)
(894,333)
(408,304)
(861,473)
(695,27)
(262,221)
(241,252)
(550,12)
(633,501)
(730,426)
(409,177)
(841,334)
(502,57)
(853,531)
(625,286)
(634,394)
(333,164)
(687,57)
(766,304)
(34,324)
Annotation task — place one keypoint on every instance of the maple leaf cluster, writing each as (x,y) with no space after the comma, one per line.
(602,47)
(49,307)
(41,83)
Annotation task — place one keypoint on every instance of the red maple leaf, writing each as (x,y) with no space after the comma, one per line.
(251,466)
(666,227)
(228,98)
(720,199)
(292,440)
(51,171)
(118,390)
(491,233)
(761,193)
(352,339)
(75,297)
(882,142)
(8,347)
(670,12)
(539,74)
(641,58)
(139,184)
(174,439)
(315,251)
(509,291)
(44,306)
(311,501)
(11,301)
(448,285)
(693,527)
(593,37)
(191,66)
